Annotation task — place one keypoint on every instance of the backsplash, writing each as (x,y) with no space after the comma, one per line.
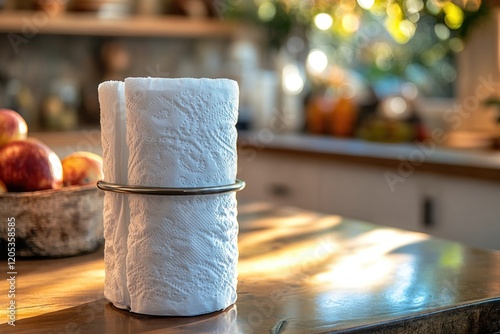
(52,80)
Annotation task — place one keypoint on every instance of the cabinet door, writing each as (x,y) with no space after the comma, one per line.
(460,209)
(281,179)
(364,193)
(466,210)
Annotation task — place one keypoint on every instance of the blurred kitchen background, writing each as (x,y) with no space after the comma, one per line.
(382,110)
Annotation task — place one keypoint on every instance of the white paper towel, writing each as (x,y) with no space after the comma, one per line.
(181,251)
(116,213)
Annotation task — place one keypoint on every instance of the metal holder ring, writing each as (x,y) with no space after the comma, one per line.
(127,189)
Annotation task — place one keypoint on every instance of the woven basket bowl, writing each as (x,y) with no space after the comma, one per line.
(53,223)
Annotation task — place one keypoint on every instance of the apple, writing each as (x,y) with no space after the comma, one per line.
(3,187)
(12,126)
(80,168)
(29,165)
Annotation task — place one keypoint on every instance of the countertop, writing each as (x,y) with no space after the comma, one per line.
(299,272)
(426,156)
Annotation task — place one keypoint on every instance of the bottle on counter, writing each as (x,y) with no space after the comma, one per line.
(318,110)
(343,115)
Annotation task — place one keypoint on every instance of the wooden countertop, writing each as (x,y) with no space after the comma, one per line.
(428,157)
(299,272)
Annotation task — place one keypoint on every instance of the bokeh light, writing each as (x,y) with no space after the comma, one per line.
(394,11)
(407,28)
(409,90)
(380,39)
(471,5)
(454,16)
(383,56)
(448,72)
(398,105)
(456,45)
(432,7)
(414,5)
(366,4)
(317,61)
(266,11)
(323,21)
(350,23)
(413,15)
(442,31)
(293,83)
(347,5)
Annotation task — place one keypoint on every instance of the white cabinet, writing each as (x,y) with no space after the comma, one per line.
(466,210)
(281,179)
(363,193)
(462,209)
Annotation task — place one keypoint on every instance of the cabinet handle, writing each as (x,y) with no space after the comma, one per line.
(428,212)
(280,190)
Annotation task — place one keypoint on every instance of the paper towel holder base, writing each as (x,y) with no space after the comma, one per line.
(140,190)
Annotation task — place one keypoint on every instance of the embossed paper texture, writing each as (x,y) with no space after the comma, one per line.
(116,212)
(181,252)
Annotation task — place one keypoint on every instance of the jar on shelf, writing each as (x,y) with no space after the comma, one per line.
(60,107)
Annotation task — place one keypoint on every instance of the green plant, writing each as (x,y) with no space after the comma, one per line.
(383,40)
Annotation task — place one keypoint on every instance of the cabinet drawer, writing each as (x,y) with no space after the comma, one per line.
(281,179)
(364,193)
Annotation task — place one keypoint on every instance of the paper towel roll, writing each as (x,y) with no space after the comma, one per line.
(181,251)
(116,214)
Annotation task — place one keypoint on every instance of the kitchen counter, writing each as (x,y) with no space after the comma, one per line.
(299,271)
(426,157)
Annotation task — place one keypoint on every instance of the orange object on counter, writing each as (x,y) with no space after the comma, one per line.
(343,117)
(317,114)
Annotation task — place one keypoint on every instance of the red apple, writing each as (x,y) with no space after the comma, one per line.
(29,165)
(81,168)
(12,126)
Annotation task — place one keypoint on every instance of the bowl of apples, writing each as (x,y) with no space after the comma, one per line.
(48,207)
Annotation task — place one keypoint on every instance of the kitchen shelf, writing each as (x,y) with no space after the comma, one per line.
(25,22)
